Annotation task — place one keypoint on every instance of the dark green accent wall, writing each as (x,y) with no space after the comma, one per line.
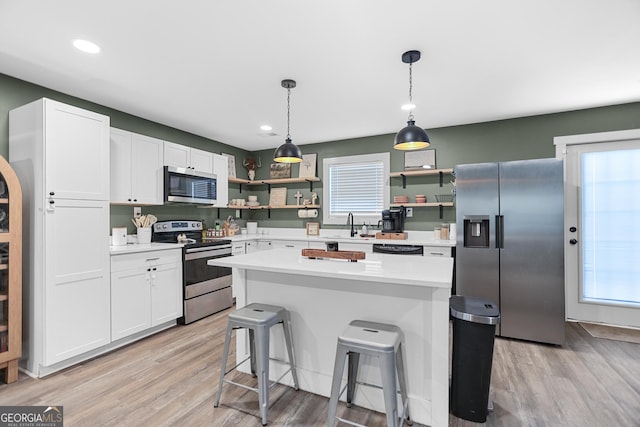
(15,92)
(513,139)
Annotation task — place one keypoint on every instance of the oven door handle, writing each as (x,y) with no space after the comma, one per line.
(208,254)
(208,248)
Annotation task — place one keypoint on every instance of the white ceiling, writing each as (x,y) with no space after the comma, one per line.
(213,68)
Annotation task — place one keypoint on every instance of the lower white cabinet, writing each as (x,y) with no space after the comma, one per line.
(146,290)
(300,244)
(258,245)
(444,251)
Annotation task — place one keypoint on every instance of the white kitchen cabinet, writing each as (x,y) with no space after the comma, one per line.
(251,246)
(300,244)
(75,161)
(61,155)
(181,156)
(221,169)
(136,168)
(442,251)
(146,290)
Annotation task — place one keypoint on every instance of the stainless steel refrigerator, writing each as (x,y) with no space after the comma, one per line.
(509,248)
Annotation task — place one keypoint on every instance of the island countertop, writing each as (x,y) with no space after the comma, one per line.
(382,268)
(324,295)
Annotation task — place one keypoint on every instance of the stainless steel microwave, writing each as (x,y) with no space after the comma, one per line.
(183,185)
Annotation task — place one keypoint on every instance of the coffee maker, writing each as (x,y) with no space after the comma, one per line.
(393,220)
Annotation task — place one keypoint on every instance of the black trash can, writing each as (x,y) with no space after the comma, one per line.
(474,326)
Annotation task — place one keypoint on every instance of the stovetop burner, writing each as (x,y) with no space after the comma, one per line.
(169,231)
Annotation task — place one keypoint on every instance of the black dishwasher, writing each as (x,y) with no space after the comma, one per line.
(385,248)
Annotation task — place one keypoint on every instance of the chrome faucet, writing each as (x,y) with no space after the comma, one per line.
(350,221)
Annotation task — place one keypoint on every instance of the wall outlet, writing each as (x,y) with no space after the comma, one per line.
(409,212)
(137,211)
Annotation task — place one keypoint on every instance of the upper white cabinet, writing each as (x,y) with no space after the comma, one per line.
(136,168)
(221,169)
(181,156)
(73,157)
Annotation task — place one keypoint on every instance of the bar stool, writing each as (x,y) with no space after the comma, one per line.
(384,342)
(258,319)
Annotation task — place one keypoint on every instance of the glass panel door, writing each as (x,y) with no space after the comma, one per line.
(602,217)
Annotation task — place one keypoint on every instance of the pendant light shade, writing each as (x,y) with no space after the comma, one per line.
(288,152)
(411,137)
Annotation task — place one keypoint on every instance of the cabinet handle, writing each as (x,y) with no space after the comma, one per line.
(51,202)
(436,253)
(153,259)
(135,200)
(51,193)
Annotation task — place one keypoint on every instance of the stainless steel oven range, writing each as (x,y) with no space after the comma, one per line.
(207,289)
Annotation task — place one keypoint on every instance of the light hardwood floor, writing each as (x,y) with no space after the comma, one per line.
(170,379)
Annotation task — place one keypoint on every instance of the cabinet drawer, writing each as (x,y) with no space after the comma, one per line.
(437,251)
(126,262)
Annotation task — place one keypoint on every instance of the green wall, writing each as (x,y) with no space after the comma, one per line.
(15,92)
(513,139)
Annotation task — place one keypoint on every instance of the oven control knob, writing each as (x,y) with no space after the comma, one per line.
(164,226)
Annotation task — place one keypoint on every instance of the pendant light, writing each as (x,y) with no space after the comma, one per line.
(411,137)
(288,152)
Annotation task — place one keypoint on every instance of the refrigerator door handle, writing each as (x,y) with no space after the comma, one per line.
(499,231)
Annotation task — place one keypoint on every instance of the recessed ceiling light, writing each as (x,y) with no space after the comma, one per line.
(86,46)
(407,107)
(266,127)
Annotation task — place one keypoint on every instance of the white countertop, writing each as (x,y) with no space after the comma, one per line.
(432,272)
(137,247)
(420,238)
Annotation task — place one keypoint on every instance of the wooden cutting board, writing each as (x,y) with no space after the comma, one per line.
(352,256)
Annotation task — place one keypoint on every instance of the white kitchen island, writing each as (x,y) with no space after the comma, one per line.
(324,295)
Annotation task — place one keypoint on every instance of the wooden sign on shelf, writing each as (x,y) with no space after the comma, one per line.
(278,196)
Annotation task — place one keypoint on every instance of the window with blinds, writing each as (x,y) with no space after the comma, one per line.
(356,184)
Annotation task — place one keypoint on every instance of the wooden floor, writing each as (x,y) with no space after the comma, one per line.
(170,379)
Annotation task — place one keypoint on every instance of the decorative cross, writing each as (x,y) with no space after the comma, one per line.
(298,195)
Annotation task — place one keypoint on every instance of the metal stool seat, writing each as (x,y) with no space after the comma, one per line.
(258,319)
(384,342)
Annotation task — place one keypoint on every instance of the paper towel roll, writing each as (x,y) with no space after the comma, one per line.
(452,231)
(307,213)
(302,213)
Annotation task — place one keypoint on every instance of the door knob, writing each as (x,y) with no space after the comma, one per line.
(573,241)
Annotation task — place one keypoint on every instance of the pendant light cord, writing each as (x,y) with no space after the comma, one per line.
(288,111)
(410,87)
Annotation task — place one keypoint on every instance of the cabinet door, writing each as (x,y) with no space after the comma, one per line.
(221,169)
(252,246)
(146,169)
(299,244)
(130,302)
(120,166)
(77,291)
(201,160)
(76,152)
(166,292)
(176,155)
(238,248)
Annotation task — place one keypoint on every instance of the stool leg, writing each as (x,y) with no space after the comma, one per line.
(338,369)
(262,359)
(223,368)
(403,382)
(252,351)
(352,376)
(388,371)
(286,325)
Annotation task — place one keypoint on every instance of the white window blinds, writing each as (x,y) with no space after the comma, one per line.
(356,184)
